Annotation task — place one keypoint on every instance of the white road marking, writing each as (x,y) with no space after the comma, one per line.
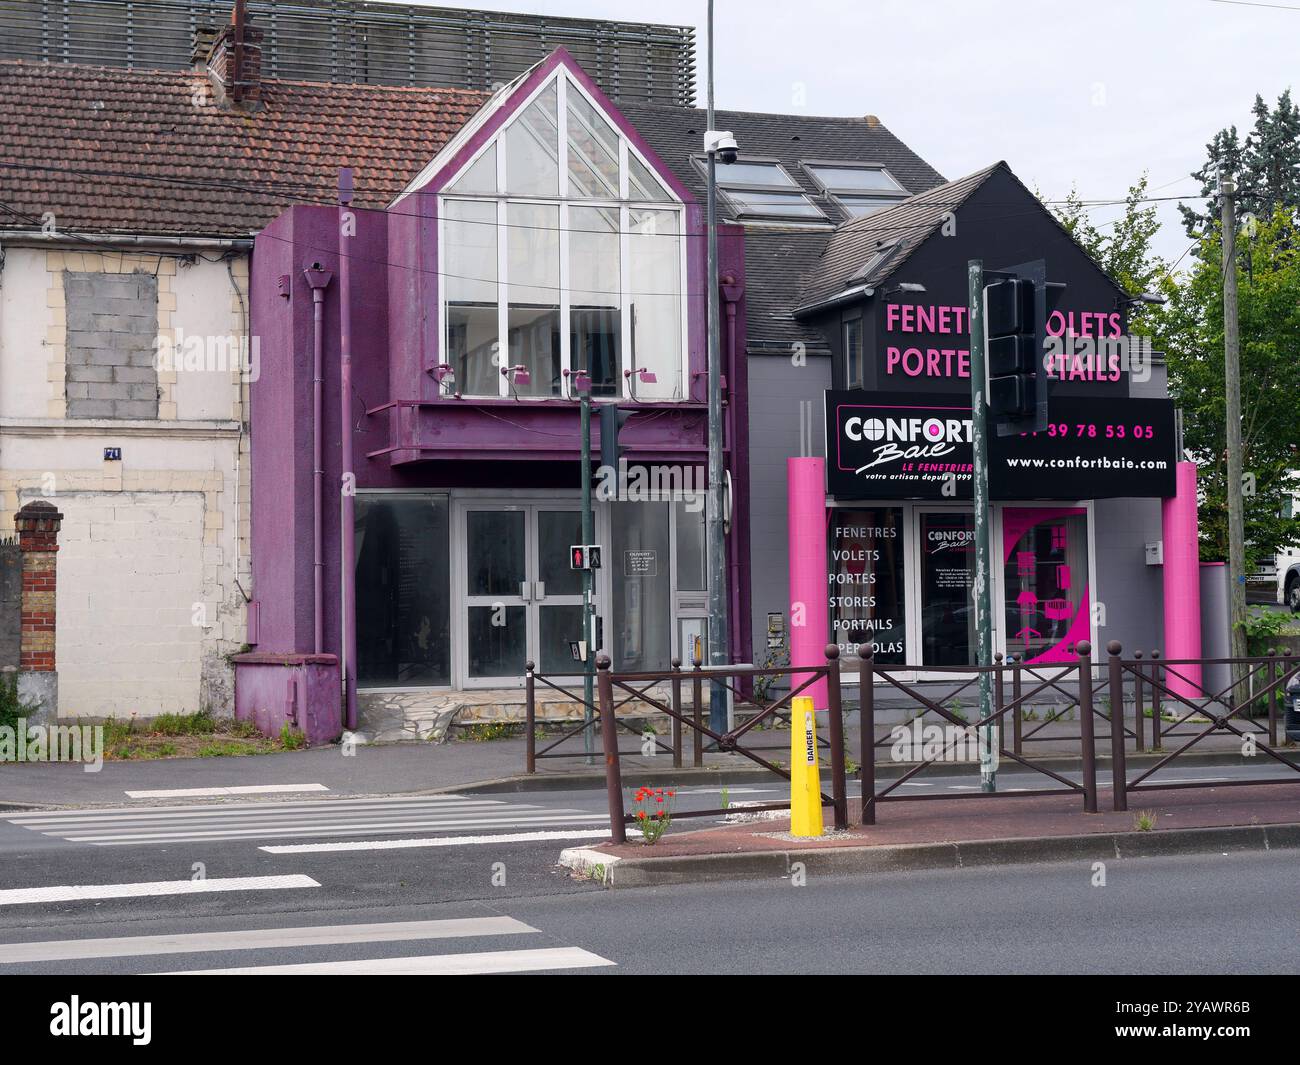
(349,828)
(433,841)
(496,961)
(70,892)
(237,808)
(248,789)
(364,818)
(260,939)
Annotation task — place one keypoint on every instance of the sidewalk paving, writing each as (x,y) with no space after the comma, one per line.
(490,766)
(964,831)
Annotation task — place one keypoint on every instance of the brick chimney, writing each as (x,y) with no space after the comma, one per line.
(235,62)
(204,38)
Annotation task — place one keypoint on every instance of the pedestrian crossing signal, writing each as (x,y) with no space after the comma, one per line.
(584,556)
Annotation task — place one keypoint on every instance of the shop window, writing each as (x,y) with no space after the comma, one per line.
(855,366)
(858,190)
(763,190)
(403,592)
(866,585)
(947,577)
(573,260)
(690,548)
(642,586)
(1045,582)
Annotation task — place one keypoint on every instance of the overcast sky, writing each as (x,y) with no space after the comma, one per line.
(1087,93)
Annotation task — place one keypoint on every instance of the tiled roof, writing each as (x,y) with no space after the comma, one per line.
(903,228)
(677,134)
(777,261)
(147,151)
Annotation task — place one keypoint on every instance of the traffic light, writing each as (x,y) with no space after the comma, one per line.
(612,420)
(584,556)
(1012,348)
(1016,304)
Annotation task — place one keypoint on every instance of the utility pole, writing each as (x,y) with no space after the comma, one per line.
(981,593)
(1232,416)
(716,539)
(588,576)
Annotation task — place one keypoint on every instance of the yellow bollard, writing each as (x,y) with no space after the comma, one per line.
(805,780)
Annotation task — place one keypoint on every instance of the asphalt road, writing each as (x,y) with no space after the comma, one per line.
(1202,914)
(468,884)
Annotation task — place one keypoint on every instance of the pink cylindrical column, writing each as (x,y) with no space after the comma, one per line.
(1182,581)
(806,496)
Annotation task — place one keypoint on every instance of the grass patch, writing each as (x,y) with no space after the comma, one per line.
(485,732)
(199,735)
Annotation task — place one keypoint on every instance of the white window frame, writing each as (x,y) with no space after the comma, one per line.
(746,211)
(623,205)
(836,193)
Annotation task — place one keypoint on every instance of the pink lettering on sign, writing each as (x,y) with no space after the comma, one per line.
(923,318)
(928,362)
(1084,324)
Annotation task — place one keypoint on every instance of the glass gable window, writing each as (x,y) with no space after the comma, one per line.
(858,190)
(765,191)
(561,250)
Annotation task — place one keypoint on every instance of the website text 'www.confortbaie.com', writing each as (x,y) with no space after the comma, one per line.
(1079,462)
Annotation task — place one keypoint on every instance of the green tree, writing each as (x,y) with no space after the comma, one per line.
(1267,166)
(1123,247)
(1190,330)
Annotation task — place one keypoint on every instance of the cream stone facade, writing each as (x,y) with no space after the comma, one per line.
(153,561)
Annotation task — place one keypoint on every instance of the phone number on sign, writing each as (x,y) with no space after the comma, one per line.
(1064,430)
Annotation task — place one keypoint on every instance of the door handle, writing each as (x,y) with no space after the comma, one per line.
(539,589)
(525,592)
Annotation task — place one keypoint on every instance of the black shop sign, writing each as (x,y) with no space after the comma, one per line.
(919,446)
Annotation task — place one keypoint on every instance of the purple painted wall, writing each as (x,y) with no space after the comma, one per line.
(408,436)
(301,691)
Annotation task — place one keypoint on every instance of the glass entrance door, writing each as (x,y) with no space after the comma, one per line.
(521,601)
(947,576)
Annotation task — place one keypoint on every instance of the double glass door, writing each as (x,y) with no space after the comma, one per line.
(520,600)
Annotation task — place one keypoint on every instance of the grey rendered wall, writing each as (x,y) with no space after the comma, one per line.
(1215,635)
(776,390)
(1130,591)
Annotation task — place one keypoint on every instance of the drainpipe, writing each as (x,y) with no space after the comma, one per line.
(347,484)
(731,293)
(318,278)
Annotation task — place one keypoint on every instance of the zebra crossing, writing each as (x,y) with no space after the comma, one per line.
(347,823)
(315,950)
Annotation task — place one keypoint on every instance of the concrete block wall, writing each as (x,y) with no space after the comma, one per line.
(112,323)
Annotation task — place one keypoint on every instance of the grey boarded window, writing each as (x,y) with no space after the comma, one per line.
(112,323)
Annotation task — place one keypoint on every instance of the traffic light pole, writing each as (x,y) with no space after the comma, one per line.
(716,537)
(588,575)
(981,592)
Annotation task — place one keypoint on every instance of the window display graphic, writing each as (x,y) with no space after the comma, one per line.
(1047,610)
(866,597)
(947,576)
